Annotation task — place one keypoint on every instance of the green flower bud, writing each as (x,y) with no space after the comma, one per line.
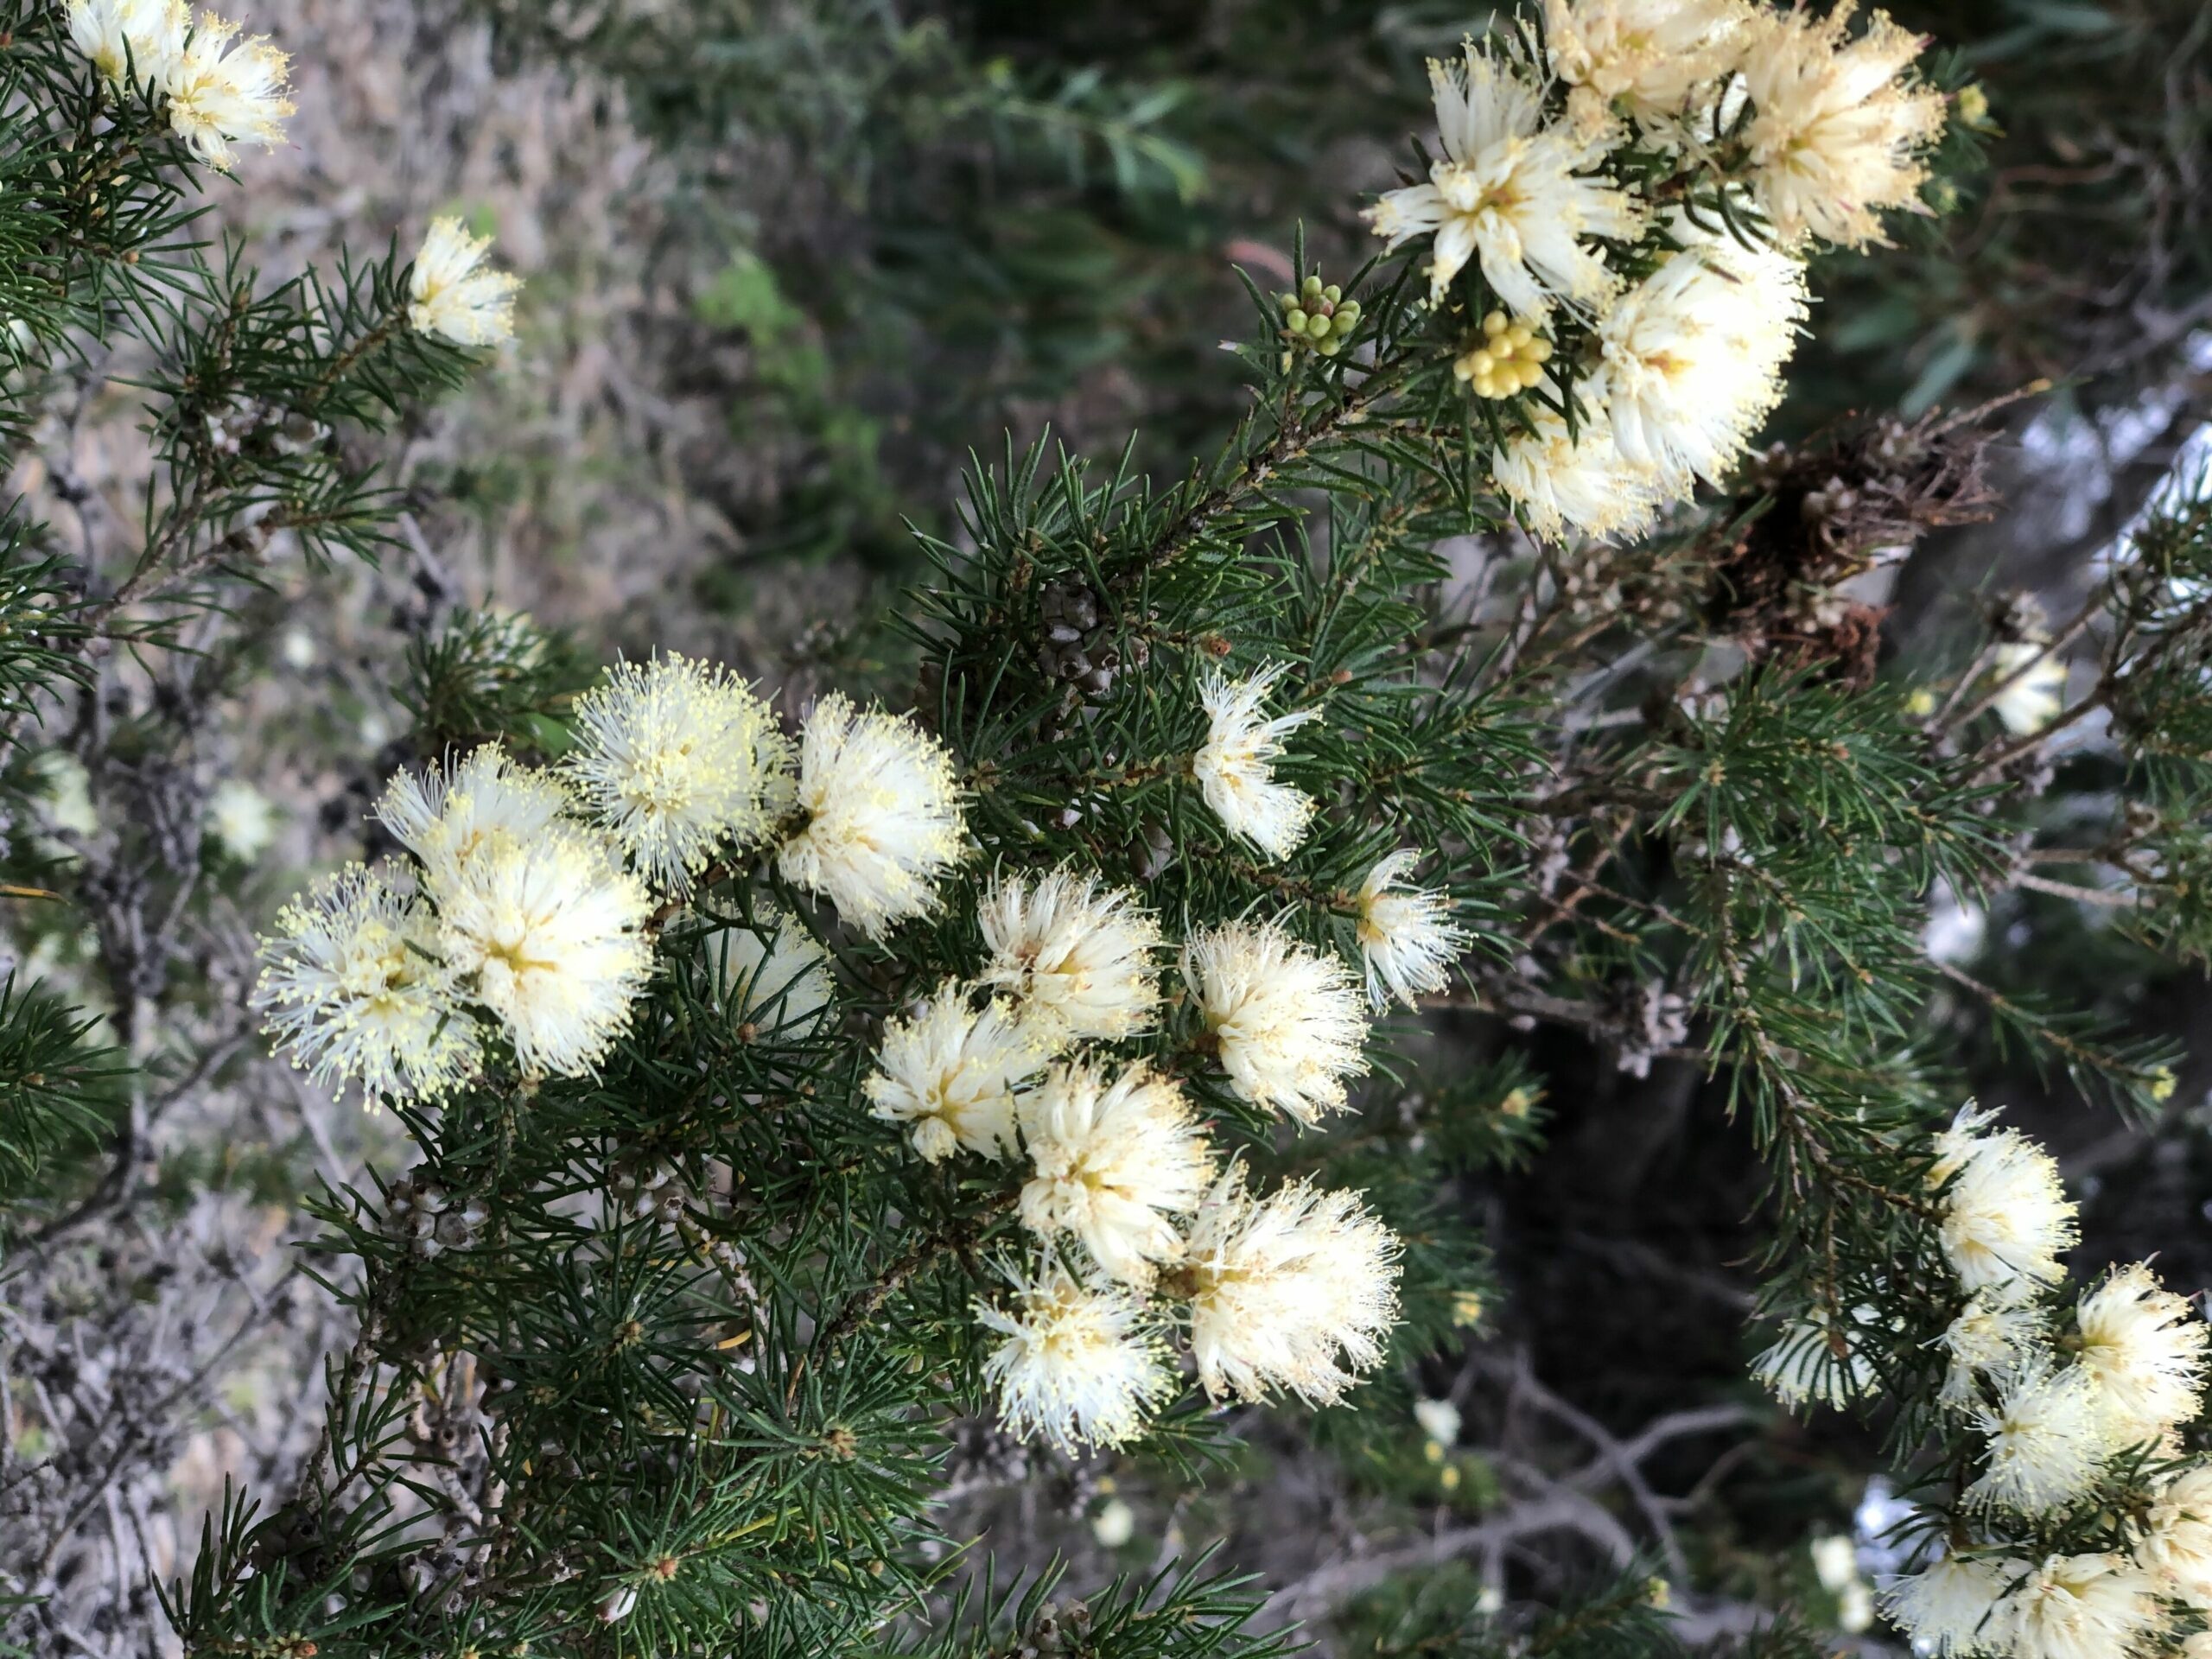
(1349,309)
(1318,325)
(1287,302)
(1294,319)
(1312,285)
(1332,293)
(1342,323)
(1329,348)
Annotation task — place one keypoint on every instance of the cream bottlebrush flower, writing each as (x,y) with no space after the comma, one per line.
(883,819)
(676,758)
(1835,130)
(447,820)
(2044,1438)
(225,91)
(2177,1547)
(2006,1218)
(2145,1346)
(949,1074)
(1993,1333)
(133,40)
(1287,1020)
(774,974)
(551,929)
(1577,482)
(455,295)
(1080,1363)
(2100,1607)
(352,988)
(1406,935)
(1509,192)
(1079,963)
(1296,1290)
(1113,1161)
(1951,1606)
(1693,356)
(1804,1364)
(1646,56)
(1233,766)
(2033,681)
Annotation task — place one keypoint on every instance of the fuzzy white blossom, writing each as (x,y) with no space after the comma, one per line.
(1438,1420)
(352,988)
(1235,765)
(2030,681)
(136,41)
(1807,1364)
(1079,960)
(1950,1607)
(446,818)
(2146,1347)
(772,974)
(1287,1021)
(2044,1439)
(1509,192)
(1294,1291)
(548,930)
(2176,1547)
(1080,1363)
(882,815)
(678,758)
(1407,936)
(1115,1161)
(241,818)
(1574,481)
(1692,356)
(1645,57)
(223,90)
(1114,1525)
(2006,1218)
(1993,1332)
(2095,1607)
(455,295)
(1836,129)
(947,1073)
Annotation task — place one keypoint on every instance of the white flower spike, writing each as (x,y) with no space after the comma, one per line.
(1234,766)
(550,931)
(1287,1020)
(1295,1290)
(1406,935)
(1081,963)
(882,816)
(678,758)
(453,294)
(1510,193)
(353,988)
(223,90)
(1080,1364)
(948,1074)
(1115,1161)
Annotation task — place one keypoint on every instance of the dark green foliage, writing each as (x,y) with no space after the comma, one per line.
(56,1091)
(39,627)
(484,677)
